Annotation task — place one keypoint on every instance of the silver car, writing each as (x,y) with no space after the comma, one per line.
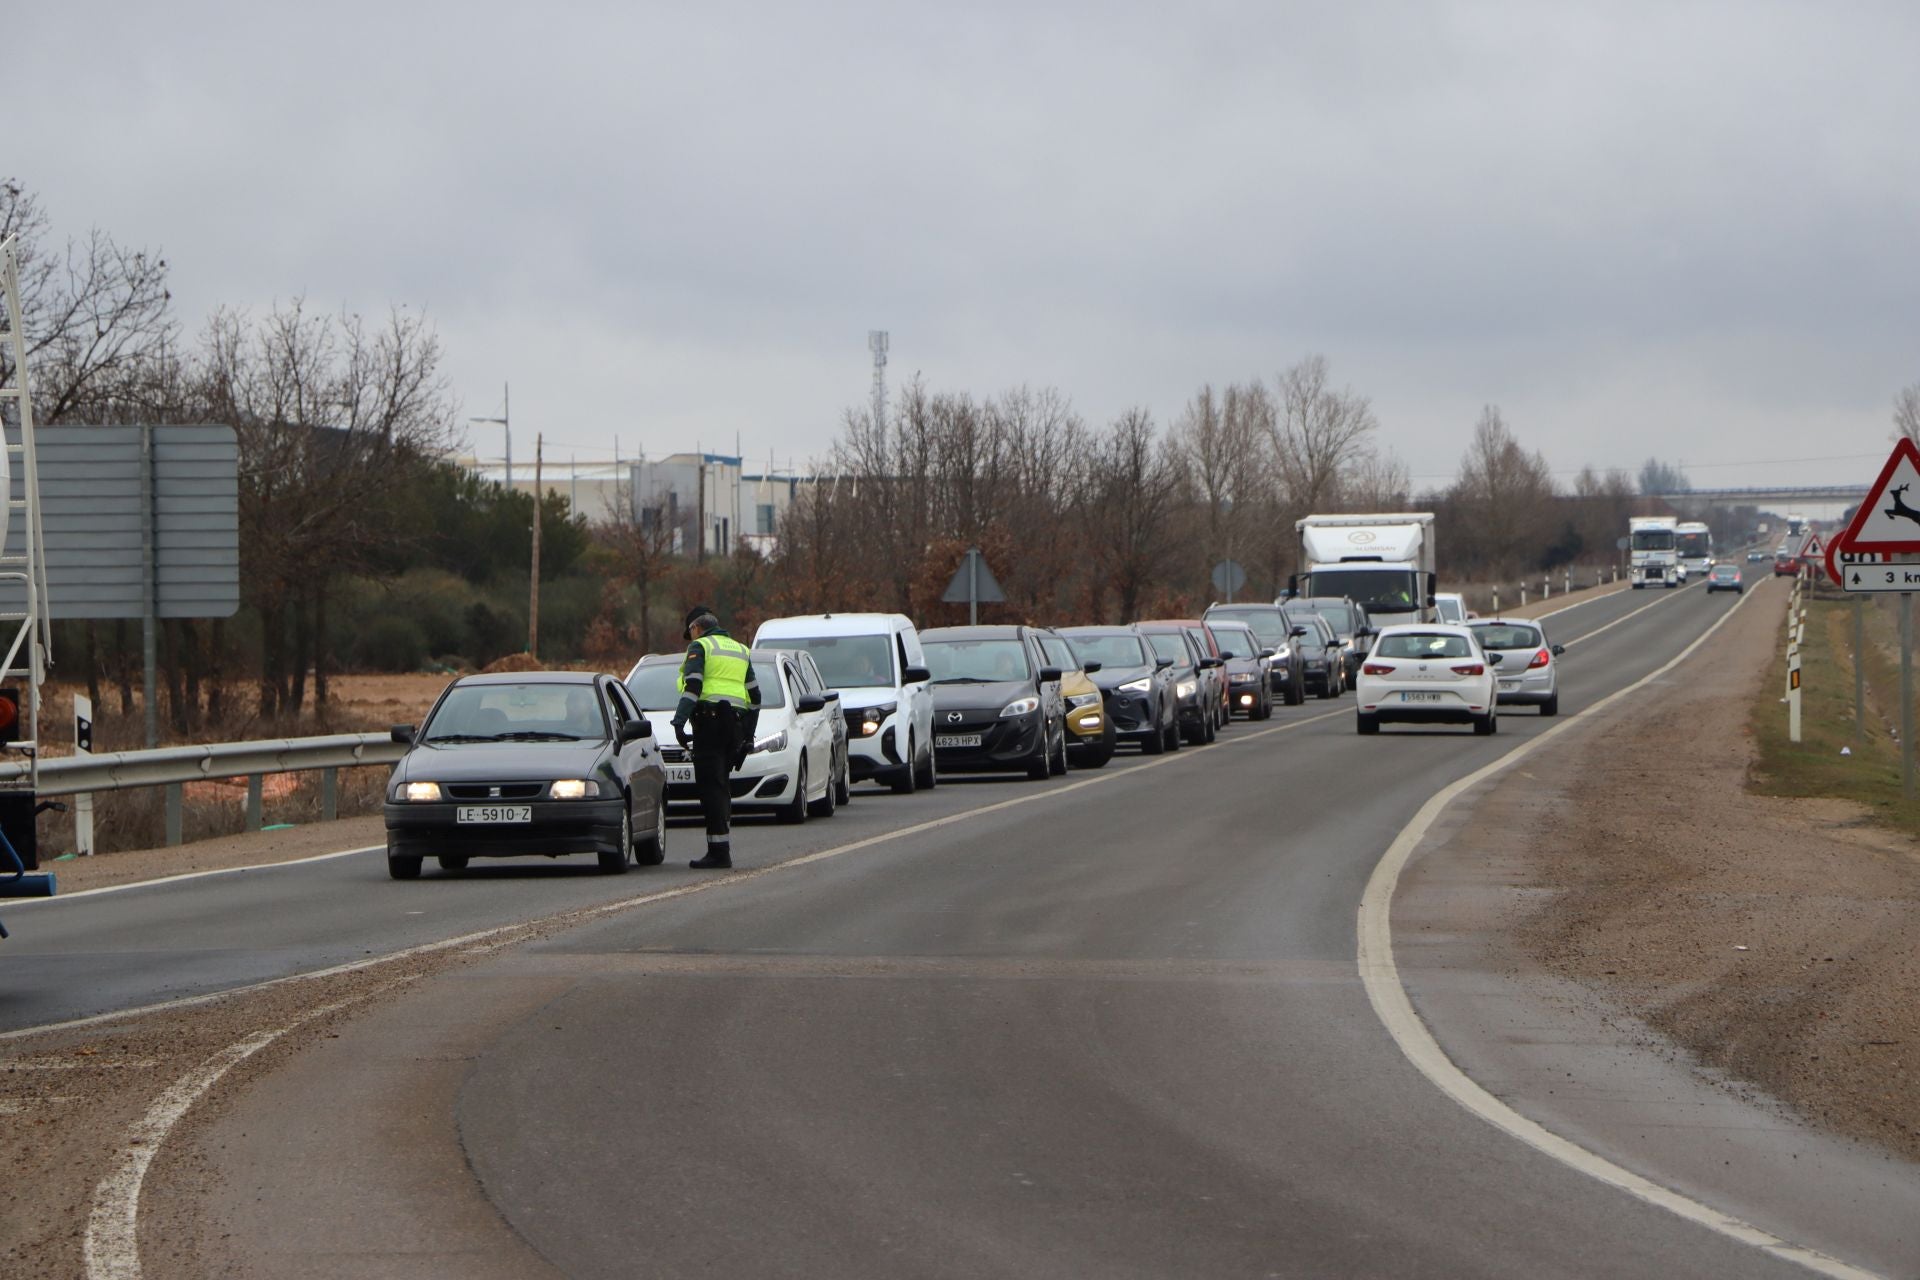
(1529,662)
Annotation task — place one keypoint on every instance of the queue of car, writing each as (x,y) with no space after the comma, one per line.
(557,763)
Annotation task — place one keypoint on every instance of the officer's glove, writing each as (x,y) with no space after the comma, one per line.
(680,732)
(740,755)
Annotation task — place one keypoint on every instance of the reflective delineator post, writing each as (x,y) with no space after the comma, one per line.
(1860,668)
(1906,694)
(1793,694)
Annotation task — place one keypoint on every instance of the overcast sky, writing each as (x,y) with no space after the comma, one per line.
(1677,229)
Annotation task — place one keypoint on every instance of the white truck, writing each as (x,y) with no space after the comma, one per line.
(1694,541)
(1652,545)
(1383,563)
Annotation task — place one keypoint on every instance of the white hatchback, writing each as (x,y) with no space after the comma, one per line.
(1427,673)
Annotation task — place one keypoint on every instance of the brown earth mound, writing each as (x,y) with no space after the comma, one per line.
(514,662)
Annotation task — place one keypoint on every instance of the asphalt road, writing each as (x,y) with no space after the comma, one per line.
(1115,1029)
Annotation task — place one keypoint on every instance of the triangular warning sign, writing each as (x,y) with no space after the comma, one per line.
(1889,516)
(1812,548)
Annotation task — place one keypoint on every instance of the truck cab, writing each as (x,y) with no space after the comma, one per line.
(1384,563)
(1653,548)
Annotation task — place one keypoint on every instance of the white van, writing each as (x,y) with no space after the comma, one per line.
(875,662)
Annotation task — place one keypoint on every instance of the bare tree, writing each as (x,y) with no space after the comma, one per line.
(1318,434)
(1657,477)
(96,314)
(1219,436)
(1136,480)
(1906,412)
(1505,495)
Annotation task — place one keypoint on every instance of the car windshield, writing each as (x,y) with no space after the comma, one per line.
(656,685)
(1423,644)
(1449,610)
(1375,590)
(1168,645)
(846,662)
(1338,616)
(1506,636)
(531,712)
(977,661)
(1726,571)
(1111,652)
(1264,619)
(1237,639)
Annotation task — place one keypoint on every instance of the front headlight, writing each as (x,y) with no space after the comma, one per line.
(1021,707)
(1243,677)
(777,742)
(421,792)
(1141,685)
(1083,699)
(1186,688)
(573,789)
(1282,653)
(872,718)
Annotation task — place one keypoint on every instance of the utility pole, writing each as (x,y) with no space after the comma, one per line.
(533,597)
(700,508)
(506,427)
(877,342)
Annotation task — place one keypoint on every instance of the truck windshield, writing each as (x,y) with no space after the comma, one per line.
(1375,590)
(1652,539)
(1696,546)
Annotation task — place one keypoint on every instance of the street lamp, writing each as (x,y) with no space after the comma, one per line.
(505,426)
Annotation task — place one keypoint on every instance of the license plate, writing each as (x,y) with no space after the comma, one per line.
(956,740)
(679,773)
(494,813)
(1509,684)
(1419,697)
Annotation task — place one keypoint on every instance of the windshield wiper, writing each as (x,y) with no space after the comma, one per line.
(538,735)
(964,680)
(461,737)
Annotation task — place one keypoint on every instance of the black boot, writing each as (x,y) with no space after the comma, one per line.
(719,857)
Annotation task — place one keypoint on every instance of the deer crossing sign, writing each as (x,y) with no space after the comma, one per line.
(1889,517)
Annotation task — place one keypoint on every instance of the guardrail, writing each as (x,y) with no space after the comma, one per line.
(172,767)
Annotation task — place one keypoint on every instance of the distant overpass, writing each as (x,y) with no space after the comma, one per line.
(1775,498)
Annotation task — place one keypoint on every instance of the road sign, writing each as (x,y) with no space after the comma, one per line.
(973,585)
(1839,556)
(1881,577)
(1229,577)
(1889,516)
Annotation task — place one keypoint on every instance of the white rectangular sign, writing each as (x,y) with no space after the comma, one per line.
(1881,577)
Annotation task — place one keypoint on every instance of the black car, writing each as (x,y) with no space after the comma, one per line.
(1249,689)
(996,701)
(1349,622)
(1271,625)
(542,763)
(1193,689)
(1322,658)
(1134,683)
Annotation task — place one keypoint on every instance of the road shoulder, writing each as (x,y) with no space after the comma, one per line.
(1568,933)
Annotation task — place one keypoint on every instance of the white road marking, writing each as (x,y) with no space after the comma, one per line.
(1626,617)
(83,1064)
(187,875)
(1395,1008)
(112,1245)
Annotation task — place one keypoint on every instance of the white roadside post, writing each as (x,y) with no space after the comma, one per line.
(1793,694)
(83,803)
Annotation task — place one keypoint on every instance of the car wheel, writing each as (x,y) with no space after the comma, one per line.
(1296,693)
(1154,743)
(1060,760)
(906,780)
(652,850)
(1487,725)
(1040,767)
(843,784)
(930,772)
(403,866)
(1213,730)
(452,861)
(826,804)
(613,861)
(1328,689)
(1365,724)
(1551,707)
(794,811)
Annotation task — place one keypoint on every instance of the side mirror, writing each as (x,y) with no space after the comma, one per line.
(1293,584)
(916,675)
(1494,659)
(807,702)
(1208,664)
(1228,653)
(1559,649)
(1268,653)
(1049,675)
(1297,632)
(1088,668)
(1433,601)
(402,734)
(633,731)
(1161,664)
(831,695)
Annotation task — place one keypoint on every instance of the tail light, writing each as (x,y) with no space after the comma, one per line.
(1376,669)
(1471,669)
(1540,659)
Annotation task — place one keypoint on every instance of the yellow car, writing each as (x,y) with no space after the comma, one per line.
(1090,733)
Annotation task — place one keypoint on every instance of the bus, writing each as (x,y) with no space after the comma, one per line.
(1695,544)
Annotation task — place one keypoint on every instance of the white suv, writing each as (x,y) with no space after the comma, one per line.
(875,662)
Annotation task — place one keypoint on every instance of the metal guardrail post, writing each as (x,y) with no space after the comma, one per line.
(329,794)
(173,814)
(253,802)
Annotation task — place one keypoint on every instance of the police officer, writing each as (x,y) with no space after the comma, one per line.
(719,708)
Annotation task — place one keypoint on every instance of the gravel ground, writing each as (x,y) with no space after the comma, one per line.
(250,849)
(1776,940)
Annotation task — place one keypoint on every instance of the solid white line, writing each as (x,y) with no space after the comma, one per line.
(1395,1009)
(186,875)
(112,1245)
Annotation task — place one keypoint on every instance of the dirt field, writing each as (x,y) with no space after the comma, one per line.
(1776,939)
